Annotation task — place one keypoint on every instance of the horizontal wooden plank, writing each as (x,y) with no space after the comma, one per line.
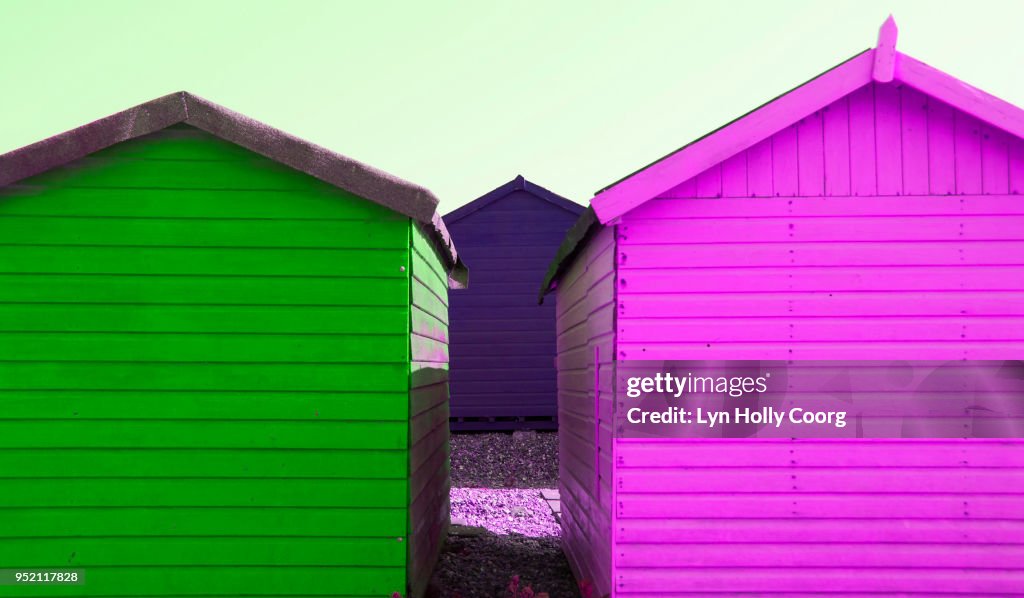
(525,277)
(328,203)
(128,434)
(961,227)
(121,173)
(502,386)
(523,360)
(195,232)
(429,300)
(208,290)
(462,327)
(505,373)
(513,259)
(509,226)
(56,346)
(41,522)
(192,492)
(504,336)
(358,582)
(222,405)
(512,238)
(208,462)
(174,261)
(528,312)
(509,407)
(782,556)
(839,278)
(964,533)
(482,250)
(800,505)
(202,376)
(22,317)
(180,142)
(38,553)
(427,349)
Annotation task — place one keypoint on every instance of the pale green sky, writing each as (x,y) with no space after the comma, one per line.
(460,97)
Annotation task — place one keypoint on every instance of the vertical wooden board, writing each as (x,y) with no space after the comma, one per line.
(759,169)
(914,120)
(967,143)
(837,148)
(863,174)
(888,140)
(784,162)
(709,182)
(995,161)
(810,156)
(941,148)
(734,176)
(684,190)
(1016,148)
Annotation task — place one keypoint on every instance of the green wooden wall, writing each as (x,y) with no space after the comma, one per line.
(428,420)
(204,377)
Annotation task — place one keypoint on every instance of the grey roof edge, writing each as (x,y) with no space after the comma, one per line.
(341,171)
(458,274)
(575,239)
(519,183)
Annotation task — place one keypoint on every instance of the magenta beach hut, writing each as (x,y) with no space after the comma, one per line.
(502,345)
(873,212)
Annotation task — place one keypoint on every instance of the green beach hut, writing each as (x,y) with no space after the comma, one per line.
(223,362)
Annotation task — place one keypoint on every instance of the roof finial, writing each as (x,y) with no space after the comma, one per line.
(885,51)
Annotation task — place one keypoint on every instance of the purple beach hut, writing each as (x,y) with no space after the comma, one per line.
(502,345)
(873,212)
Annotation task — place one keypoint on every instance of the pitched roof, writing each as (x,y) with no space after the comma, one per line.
(183,107)
(517,184)
(882,63)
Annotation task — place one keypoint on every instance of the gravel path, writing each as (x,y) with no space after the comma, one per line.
(482,567)
(503,460)
(502,527)
(507,511)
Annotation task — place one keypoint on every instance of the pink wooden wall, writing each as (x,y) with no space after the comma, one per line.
(807,253)
(585,329)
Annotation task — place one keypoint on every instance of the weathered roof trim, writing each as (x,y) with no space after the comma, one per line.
(577,237)
(871,65)
(517,184)
(183,107)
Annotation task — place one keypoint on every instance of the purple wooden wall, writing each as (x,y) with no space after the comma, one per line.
(502,342)
(586,338)
(885,226)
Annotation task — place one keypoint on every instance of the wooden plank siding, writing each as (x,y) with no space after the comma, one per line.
(844,270)
(204,376)
(586,336)
(503,344)
(428,413)
(883,139)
